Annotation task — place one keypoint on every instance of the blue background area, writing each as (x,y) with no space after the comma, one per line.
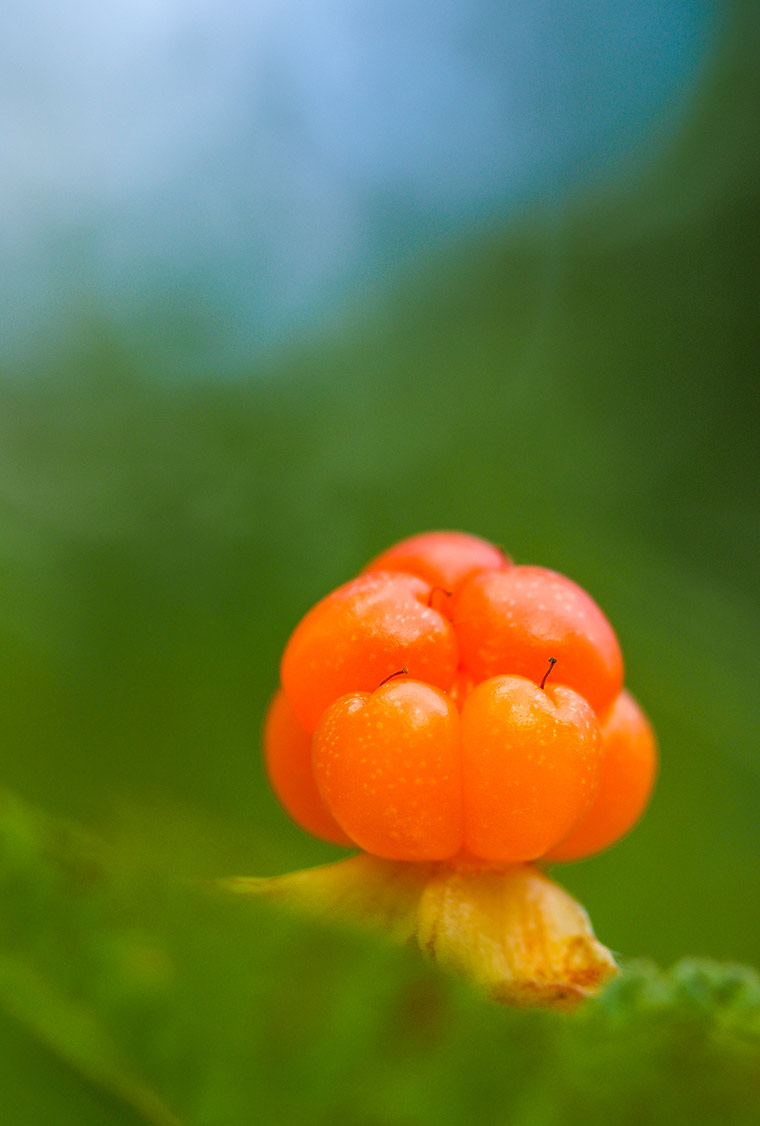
(249,169)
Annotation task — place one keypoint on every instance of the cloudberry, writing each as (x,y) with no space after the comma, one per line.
(448,704)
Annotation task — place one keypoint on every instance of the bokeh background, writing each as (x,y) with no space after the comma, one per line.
(284,283)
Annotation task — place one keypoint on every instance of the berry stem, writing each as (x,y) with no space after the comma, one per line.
(399,672)
(552,663)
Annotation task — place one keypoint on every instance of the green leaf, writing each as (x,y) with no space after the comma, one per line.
(74,1032)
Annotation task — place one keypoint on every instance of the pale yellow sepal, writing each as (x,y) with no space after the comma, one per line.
(511,930)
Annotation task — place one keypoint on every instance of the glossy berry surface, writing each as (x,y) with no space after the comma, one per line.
(442,559)
(287,754)
(628,770)
(535,754)
(360,634)
(512,621)
(450,705)
(388,765)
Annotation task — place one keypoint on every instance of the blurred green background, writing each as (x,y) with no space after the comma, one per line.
(575,381)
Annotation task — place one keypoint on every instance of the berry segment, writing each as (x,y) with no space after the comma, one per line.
(443,559)
(530,765)
(629,766)
(387,765)
(287,753)
(448,705)
(513,621)
(359,635)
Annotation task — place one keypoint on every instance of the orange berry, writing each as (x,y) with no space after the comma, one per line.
(629,766)
(471,753)
(287,754)
(387,765)
(443,559)
(530,767)
(512,621)
(362,633)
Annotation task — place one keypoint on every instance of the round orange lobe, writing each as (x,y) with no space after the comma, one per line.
(629,767)
(443,559)
(388,767)
(513,621)
(530,767)
(362,633)
(287,754)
